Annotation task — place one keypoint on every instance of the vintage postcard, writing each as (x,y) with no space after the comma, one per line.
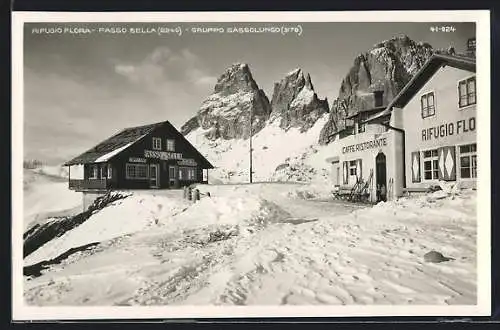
(251,164)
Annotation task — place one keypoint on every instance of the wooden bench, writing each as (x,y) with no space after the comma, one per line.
(351,194)
(342,193)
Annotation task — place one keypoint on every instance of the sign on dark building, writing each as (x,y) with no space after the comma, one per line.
(187,162)
(137,160)
(162,155)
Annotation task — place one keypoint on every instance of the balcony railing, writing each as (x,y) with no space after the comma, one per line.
(78,184)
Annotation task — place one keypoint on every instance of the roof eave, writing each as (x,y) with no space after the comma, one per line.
(435,62)
(378,118)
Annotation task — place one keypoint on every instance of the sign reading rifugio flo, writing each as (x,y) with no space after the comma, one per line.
(382,142)
(448,129)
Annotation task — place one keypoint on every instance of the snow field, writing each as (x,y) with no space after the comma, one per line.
(258,244)
(47,196)
(272,147)
(142,210)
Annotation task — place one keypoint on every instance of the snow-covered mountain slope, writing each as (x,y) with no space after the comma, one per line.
(54,171)
(273,148)
(46,194)
(262,244)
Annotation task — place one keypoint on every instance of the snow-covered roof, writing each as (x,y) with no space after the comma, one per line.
(121,141)
(109,155)
(113,145)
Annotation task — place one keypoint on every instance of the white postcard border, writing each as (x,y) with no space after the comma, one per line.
(482,20)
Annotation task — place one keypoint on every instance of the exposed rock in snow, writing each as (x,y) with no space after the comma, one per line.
(226,113)
(190,125)
(39,234)
(295,103)
(435,257)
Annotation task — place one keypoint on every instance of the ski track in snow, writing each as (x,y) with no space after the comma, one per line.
(304,252)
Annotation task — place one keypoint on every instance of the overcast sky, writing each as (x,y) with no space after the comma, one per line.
(82,88)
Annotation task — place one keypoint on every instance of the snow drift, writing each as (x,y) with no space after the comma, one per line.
(259,245)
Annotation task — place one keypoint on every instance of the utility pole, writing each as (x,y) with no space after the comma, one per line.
(251,133)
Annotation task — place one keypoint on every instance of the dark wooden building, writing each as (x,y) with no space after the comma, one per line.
(155,156)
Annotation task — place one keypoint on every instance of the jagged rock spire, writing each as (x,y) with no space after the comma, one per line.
(390,64)
(226,113)
(295,103)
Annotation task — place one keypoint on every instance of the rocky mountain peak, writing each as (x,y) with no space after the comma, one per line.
(236,78)
(387,67)
(295,73)
(226,112)
(295,103)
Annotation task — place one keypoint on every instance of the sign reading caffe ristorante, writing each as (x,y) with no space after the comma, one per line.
(377,143)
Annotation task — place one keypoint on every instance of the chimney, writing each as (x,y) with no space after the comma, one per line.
(379,99)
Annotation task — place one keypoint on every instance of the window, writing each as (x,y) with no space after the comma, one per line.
(431,171)
(93,172)
(136,171)
(170,145)
(467,92)
(427,102)
(156,143)
(103,172)
(192,174)
(468,161)
(361,127)
(352,167)
(386,125)
(110,172)
(187,173)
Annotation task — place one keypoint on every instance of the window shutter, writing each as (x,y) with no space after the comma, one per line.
(346,173)
(441,158)
(358,169)
(450,166)
(415,166)
(447,164)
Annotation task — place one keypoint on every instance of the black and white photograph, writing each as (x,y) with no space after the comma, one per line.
(259,164)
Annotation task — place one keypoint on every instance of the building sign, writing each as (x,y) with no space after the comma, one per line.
(448,129)
(162,155)
(187,162)
(137,160)
(377,143)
